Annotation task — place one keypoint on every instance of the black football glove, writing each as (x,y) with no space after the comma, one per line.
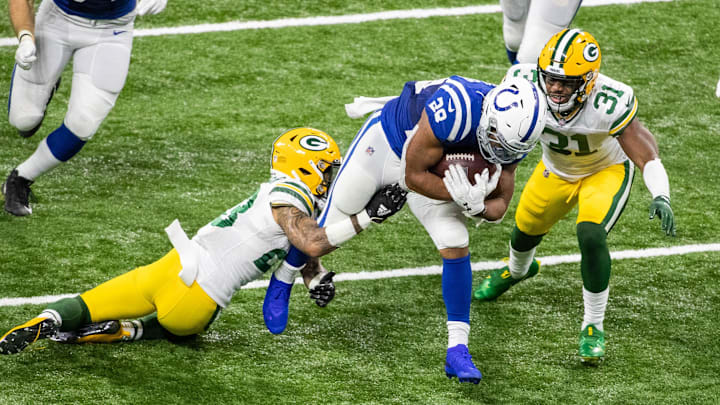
(386,202)
(324,291)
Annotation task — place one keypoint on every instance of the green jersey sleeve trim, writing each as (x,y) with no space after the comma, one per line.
(301,194)
(621,123)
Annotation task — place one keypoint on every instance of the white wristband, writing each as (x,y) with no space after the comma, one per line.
(344,230)
(22,33)
(656,179)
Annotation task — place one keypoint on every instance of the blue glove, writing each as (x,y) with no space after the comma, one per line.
(660,206)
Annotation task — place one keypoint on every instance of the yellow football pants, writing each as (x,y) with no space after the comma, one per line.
(547,198)
(182,310)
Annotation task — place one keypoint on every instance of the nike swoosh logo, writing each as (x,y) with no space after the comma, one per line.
(118,32)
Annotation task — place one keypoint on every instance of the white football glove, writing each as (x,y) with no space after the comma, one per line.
(468,197)
(25,54)
(151,7)
(717,89)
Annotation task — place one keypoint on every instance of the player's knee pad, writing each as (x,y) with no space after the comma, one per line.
(26,107)
(88,107)
(515,10)
(349,195)
(592,239)
(514,17)
(25,120)
(443,221)
(560,15)
(523,242)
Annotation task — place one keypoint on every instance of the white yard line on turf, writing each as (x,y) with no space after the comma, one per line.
(340,19)
(434,270)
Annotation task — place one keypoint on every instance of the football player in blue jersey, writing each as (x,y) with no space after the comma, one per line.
(529,24)
(181,294)
(97,35)
(401,140)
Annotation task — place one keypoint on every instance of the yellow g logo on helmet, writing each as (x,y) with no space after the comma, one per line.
(306,154)
(572,56)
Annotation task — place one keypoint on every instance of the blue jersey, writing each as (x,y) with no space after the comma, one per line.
(453,106)
(97,9)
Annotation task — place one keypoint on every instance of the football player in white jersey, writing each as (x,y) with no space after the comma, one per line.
(402,139)
(181,294)
(591,145)
(97,36)
(529,24)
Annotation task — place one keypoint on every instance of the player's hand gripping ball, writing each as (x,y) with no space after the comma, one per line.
(471,162)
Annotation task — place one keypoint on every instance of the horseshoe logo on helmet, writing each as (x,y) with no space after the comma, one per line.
(512,90)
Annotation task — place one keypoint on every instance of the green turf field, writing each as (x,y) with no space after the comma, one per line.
(190,137)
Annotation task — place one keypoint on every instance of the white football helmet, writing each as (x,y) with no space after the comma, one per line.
(513,117)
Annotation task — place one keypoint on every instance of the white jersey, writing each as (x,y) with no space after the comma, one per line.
(585,143)
(245,242)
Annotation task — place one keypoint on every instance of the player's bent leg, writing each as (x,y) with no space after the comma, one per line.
(595,268)
(545,19)
(514,18)
(88,106)
(185,311)
(28,101)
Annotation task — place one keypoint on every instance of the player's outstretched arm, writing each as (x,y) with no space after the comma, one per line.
(303,231)
(305,234)
(640,146)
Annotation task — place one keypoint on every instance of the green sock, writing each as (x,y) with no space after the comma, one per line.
(595,262)
(73,312)
(523,242)
(152,328)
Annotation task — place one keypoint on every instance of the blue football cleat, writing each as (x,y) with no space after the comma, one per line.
(458,363)
(276,305)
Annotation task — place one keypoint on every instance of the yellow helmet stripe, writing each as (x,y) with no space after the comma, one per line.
(622,122)
(296,192)
(563,44)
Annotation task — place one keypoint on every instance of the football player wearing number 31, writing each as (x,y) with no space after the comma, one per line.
(591,144)
(98,36)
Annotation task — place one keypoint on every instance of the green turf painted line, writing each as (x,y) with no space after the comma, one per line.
(435,270)
(342,19)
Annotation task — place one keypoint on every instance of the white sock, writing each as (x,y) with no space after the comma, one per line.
(41,161)
(134,327)
(458,333)
(51,314)
(287,273)
(520,262)
(595,304)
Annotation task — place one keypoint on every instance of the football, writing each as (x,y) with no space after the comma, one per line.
(472,162)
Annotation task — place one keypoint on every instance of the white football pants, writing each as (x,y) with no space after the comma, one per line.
(528,25)
(101,57)
(369,165)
